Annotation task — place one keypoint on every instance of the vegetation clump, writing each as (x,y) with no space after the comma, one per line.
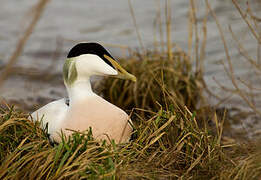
(173,137)
(168,140)
(159,80)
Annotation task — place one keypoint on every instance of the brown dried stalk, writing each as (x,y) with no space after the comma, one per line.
(136,26)
(244,17)
(230,70)
(21,43)
(168,24)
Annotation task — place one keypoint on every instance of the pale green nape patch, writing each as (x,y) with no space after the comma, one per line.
(69,71)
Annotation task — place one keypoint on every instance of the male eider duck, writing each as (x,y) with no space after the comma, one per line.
(85,108)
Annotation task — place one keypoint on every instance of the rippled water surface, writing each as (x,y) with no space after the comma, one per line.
(110,22)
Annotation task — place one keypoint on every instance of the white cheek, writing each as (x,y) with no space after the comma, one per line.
(108,70)
(90,64)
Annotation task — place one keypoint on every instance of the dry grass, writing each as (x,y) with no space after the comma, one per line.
(173,138)
(159,81)
(38,10)
(169,140)
(242,87)
(168,143)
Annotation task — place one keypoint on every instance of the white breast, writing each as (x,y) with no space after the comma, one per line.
(53,114)
(102,116)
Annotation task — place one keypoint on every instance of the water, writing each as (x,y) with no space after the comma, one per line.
(111,23)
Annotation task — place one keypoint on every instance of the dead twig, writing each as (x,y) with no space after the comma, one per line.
(230,70)
(244,17)
(21,43)
(168,28)
(136,26)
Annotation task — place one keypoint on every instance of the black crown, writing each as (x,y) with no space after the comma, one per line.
(90,48)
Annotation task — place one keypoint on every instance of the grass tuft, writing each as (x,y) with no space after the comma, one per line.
(160,80)
(169,140)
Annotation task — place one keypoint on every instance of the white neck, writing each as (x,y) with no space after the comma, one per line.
(79,90)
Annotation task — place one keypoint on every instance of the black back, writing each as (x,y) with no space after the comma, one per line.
(90,48)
